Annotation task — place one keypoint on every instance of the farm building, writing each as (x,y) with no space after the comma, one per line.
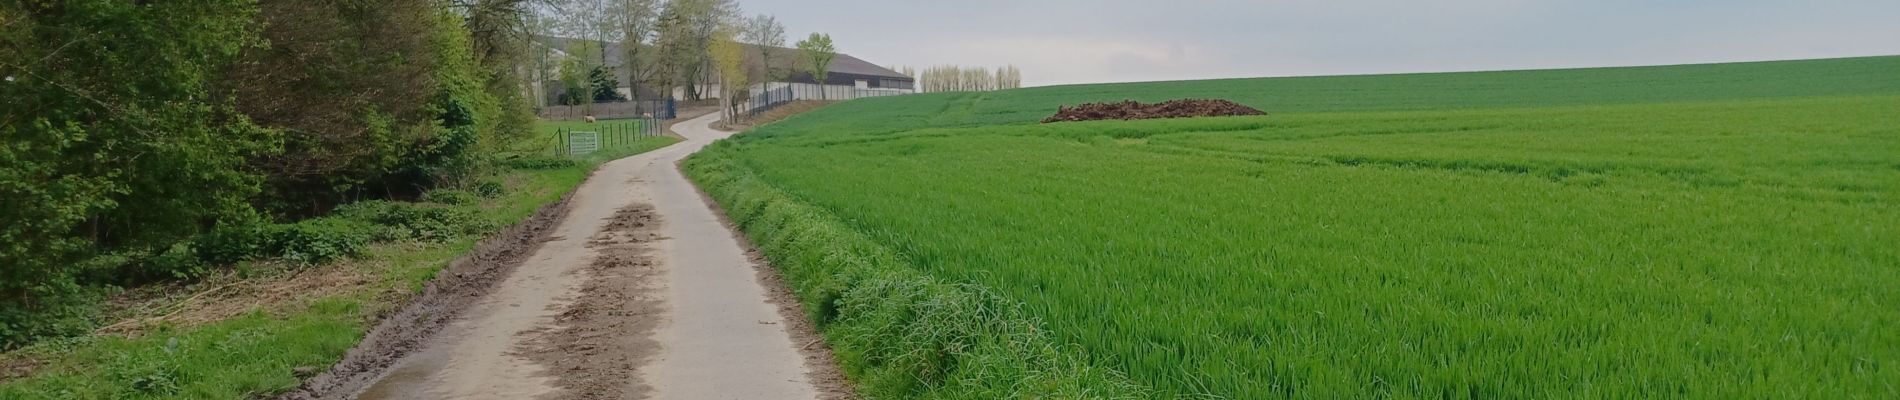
(849,77)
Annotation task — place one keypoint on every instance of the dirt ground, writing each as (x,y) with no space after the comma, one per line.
(774,115)
(441,301)
(638,292)
(602,340)
(1130,110)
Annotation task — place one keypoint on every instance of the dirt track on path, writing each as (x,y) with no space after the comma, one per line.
(639,291)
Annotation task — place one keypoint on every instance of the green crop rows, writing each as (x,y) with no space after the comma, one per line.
(1718,231)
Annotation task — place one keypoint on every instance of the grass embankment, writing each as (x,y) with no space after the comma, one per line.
(1696,232)
(903,333)
(304,316)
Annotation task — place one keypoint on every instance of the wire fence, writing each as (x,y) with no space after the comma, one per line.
(778,94)
(606,135)
(662,109)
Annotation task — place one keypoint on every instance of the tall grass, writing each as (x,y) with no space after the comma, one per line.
(1735,237)
(902,333)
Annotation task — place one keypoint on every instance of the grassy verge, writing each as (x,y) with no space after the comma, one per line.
(898,332)
(306,317)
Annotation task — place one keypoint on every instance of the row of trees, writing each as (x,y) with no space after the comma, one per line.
(951,78)
(688,44)
(134,129)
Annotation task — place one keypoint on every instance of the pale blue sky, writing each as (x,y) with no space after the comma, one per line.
(1083,41)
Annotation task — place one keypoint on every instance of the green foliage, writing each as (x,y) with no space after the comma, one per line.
(489,189)
(346,232)
(578,70)
(818,52)
(1713,231)
(377,99)
(245,357)
(538,162)
(411,221)
(100,156)
(233,242)
(180,261)
(449,197)
(320,240)
(597,85)
(254,356)
(901,333)
(606,87)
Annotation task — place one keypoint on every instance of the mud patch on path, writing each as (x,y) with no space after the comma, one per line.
(600,340)
(453,290)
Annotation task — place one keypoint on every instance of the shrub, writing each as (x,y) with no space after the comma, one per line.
(180,261)
(375,98)
(320,240)
(409,221)
(232,243)
(448,196)
(489,189)
(62,307)
(114,139)
(538,163)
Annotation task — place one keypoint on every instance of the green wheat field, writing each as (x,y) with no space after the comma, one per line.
(1706,231)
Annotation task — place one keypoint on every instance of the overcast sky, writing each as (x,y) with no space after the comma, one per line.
(1087,41)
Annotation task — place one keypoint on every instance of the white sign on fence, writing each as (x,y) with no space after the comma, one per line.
(583,143)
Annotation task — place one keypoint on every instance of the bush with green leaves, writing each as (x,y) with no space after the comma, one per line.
(144,139)
(180,261)
(116,137)
(489,189)
(377,99)
(537,163)
(320,240)
(231,243)
(411,221)
(449,196)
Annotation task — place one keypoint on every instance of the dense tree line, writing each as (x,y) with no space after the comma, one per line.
(660,44)
(951,78)
(149,141)
(693,45)
(133,132)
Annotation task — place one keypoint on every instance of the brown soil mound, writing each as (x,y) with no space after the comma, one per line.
(1127,110)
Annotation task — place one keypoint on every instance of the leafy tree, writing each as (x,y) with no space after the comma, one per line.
(819,52)
(379,99)
(137,134)
(766,32)
(686,33)
(577,71)
(591,20)
(115,139)
(638,21)
(499,33)
(729,57)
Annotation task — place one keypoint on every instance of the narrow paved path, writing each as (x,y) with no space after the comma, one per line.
(716,336)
